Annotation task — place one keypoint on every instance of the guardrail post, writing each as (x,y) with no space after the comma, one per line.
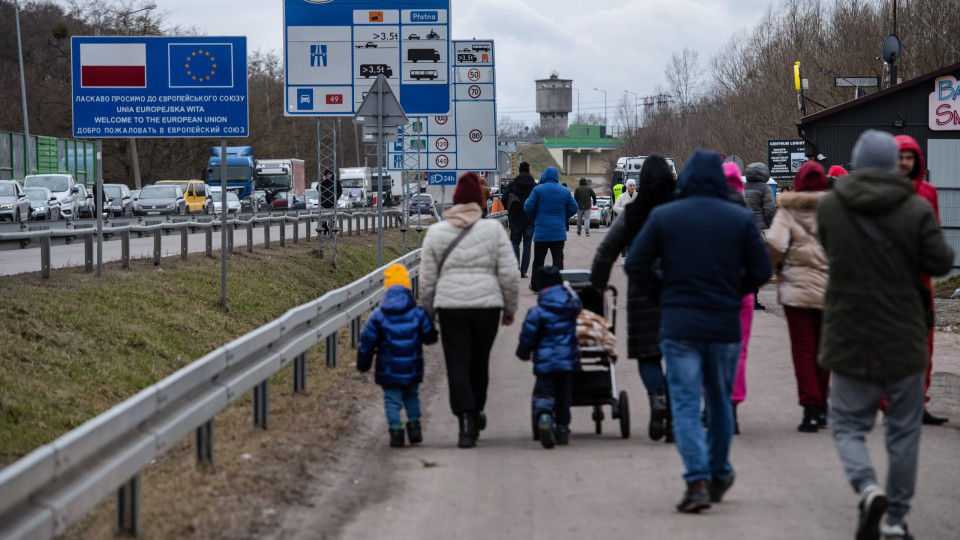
(300,373)
(261,399)
(331,350)
(355,333)
(229,238)
(309,222)
(283,231)
(349,225)
(88,253)
(266,234)
(296,231)
(45,256)
(125,249)
(210,241)
(204,438)
(250,236)
(128,507)
(366,222)
(415,285)
(184,234)
(157,234)
(340,222)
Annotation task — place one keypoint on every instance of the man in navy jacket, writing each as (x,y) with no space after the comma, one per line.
(549,205)
(711,254)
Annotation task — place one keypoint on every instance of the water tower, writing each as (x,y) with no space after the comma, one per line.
(554,103)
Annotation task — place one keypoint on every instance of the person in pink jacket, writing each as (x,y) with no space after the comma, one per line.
(801,267)
(735,183)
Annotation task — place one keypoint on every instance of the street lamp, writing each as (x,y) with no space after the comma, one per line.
(636,105)
(604,106)
(23,89)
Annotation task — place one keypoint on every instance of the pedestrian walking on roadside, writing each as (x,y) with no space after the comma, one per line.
(586,198)
(521,226)
(739,395)
(395,333)
(617,191)
(469,280)
(711,254)
(625,198)
(550,206)
(760,200)
(330,191)
(878,237)
(657,186)
(486,196)
(911,165)
(833,173)
(549,338)
(800,264)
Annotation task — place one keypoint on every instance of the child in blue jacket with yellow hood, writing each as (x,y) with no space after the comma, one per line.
(549,336)
(396,332)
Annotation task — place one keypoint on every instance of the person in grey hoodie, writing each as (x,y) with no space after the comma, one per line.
(760,200)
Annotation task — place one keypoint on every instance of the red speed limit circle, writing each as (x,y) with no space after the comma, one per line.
(442,161)
(473,91)
(442,144)
(476,135)
(440,119)
(473,74)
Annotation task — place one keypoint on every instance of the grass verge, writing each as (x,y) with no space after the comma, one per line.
(75,345)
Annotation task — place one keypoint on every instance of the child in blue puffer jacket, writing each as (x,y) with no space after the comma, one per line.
(549,335)
(396,332)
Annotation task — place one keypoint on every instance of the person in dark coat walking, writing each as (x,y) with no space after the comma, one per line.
(330,190)
(760,200)
(521,226)
(395,333)
(657,186)
(711,254)
(550,206)
(586,198)
(878,236)
(549,338)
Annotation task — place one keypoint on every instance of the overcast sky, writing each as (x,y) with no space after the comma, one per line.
(613,45)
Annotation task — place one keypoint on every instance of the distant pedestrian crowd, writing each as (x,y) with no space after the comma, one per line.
(851,255)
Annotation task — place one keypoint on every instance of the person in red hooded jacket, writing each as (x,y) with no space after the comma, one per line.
(912,166)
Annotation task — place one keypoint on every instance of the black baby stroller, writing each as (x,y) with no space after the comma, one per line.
(596,385)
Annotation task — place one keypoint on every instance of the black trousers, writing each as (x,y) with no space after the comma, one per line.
(552,394)
(540,256)
(467,336)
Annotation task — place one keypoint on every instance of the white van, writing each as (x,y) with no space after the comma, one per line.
(63,186)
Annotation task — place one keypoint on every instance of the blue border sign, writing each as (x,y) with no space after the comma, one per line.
(159,87)
(334,50)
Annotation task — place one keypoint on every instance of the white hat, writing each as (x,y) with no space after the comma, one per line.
(631,182)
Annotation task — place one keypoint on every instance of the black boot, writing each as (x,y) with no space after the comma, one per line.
(809,422)
(562,434)
(822,417)
(668,436)
(481,421)
(931,419)
(414,432)
(468,431)
(658,415)
(696,498)
(736,421)
(396,437)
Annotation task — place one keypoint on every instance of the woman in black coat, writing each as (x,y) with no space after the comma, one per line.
(657,186)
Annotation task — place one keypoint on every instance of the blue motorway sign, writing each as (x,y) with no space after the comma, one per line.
(334,50)
(442,179)
(159,87)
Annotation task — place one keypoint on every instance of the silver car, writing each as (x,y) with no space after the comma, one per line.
(43,204)
(160,200)
(62,185)
(14,205)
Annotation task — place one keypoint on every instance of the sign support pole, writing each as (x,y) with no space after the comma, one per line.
(223,223)
(98,200)
(380,171)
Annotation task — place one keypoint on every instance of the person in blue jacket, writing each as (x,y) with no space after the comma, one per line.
(395,332)
(550,206)
(549,337)
(711,255)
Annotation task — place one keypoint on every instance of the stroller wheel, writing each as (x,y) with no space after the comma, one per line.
(598,419)
(624,415)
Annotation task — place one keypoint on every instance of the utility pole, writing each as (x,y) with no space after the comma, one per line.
(23,89)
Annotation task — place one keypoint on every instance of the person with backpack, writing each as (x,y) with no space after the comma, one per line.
(521,226)
(760,200)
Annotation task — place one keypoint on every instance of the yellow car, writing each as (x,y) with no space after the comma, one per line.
(196,194)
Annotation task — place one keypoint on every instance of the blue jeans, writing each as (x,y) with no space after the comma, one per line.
(520,233)
(692,368)
(400,397)
(552,395)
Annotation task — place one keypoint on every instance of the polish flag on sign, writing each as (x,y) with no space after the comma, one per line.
(113,65)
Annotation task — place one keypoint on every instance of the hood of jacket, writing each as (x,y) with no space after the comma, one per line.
(559,299)
(463,215)
(803,206)
(525,182)
(397,299)
(550,174)
(757,172)
(703,175)
(906,142)
(810,177)
(873,191)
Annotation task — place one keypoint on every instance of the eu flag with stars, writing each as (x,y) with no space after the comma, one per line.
(201,65)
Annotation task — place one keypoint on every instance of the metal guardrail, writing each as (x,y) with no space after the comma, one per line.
(42,494)
(125,229)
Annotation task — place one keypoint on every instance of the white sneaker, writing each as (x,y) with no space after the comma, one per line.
(897,531)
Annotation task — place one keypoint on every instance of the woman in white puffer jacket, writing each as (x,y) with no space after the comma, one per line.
(472,294)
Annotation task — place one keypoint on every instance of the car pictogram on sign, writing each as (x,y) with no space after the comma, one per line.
(476,135)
